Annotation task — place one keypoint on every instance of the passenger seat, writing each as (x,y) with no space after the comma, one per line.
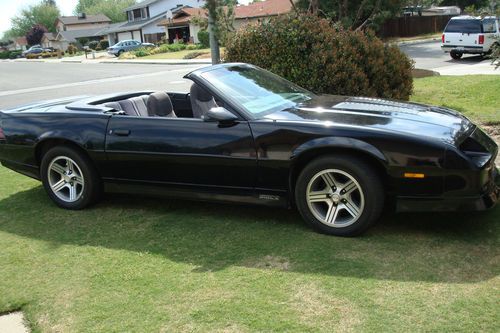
(135,106)
(157,104)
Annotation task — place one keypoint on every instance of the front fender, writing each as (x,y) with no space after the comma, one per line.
(339,142)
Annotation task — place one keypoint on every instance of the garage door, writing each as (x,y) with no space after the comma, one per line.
(124,36)
(137,35)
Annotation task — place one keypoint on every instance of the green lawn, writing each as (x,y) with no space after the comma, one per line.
(477,96)
(132,264)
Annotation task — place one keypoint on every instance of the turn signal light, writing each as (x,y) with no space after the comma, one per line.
(481,39)
(442,38)
(414,175)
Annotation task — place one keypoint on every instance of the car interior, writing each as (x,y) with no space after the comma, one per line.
(169,105)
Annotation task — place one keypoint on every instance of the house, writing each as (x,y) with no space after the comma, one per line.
(143,18)
(18,43)
(49,40)
(82,21)
(182,26)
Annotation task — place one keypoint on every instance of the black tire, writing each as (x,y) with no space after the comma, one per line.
(119,53)
(371,190)
(456,55)
(91,189)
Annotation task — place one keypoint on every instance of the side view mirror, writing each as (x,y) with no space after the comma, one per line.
(220,114)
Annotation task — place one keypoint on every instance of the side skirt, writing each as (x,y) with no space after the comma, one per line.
(202,193)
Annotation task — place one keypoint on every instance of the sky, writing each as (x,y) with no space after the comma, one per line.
(10,8)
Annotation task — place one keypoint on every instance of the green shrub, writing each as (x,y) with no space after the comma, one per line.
(163,48)
(175,47)
(142,52)
(204,39)
(104,44)
(72,49)
(324,58)
(4,54)
(192,55)
(193,47)
(93,44)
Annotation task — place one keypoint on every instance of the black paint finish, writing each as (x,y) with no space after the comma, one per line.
(257,160)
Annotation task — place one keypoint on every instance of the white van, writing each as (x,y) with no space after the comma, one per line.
(470,34)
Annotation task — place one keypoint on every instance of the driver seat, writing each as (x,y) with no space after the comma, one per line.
(201,101)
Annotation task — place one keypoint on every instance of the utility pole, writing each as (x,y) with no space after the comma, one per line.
(214,43)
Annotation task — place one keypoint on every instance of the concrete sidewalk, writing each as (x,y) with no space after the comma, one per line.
(485,68)
(13,323)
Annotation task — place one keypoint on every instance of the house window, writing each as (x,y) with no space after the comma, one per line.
(144,13)
(137,14)
(129,16)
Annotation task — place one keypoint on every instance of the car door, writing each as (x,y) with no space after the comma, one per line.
(183,152)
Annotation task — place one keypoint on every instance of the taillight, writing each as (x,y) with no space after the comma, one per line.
(442,38)
(481,39)
(2,135)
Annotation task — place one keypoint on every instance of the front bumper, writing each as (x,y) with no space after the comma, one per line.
(463,49)
(486,200)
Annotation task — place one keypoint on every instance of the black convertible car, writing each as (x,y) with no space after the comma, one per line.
(243,134)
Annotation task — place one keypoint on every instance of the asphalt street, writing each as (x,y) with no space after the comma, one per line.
(23,82)
(429,56)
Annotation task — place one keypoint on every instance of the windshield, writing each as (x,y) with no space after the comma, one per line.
(464,26)
(258,91)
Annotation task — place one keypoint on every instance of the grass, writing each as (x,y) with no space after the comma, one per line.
(133,264)
(477,96)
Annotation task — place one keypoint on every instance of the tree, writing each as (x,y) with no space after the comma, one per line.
(219,24)
(44,13)
(114,9)
(35,34)
(465,3)
(353,14)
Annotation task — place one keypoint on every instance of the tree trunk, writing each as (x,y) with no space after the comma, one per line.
(214,43)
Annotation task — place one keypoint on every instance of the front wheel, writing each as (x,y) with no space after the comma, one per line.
(456,55)
(69,178)
(339,195)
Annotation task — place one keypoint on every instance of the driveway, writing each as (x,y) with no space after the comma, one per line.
(429,56)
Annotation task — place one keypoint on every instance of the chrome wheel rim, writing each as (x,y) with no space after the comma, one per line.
(65,179)
(335,198)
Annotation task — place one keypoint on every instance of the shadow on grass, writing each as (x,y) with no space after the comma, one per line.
(407,247)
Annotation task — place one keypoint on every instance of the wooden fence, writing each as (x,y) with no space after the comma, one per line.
(409,26)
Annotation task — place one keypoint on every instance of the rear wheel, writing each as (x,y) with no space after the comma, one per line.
(339,195)
(456,55)
(69,178)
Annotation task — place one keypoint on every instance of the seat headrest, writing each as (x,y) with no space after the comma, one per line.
(200,94)
(159,105)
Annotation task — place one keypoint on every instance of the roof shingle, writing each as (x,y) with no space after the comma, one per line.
(99,18)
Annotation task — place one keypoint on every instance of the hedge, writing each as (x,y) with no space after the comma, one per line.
(323,57)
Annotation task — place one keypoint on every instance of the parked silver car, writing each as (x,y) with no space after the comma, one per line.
(127,45)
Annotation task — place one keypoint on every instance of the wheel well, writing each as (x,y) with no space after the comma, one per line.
(46,145)
(309,156)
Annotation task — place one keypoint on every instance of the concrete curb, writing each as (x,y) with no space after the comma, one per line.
(157,62)
(418,41)
(111,61)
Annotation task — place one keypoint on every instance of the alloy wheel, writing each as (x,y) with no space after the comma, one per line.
(335,198)
(65,179)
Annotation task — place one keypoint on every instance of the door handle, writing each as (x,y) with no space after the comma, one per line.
(120,132)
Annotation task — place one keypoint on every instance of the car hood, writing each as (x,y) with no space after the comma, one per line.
(394,116)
